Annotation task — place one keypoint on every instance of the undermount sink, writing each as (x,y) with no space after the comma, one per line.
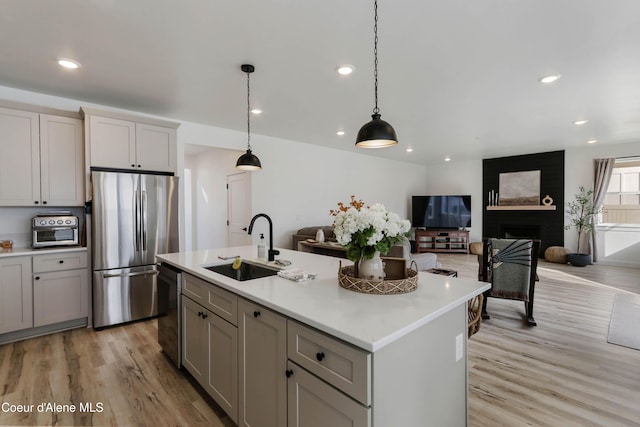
(247,271)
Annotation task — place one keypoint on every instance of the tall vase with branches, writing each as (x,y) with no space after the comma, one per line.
(582,212)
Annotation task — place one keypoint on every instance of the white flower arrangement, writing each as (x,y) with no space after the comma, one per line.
(363,230)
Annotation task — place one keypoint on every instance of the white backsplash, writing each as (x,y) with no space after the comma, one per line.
(15,223)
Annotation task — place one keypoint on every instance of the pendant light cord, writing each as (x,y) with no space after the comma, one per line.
(376,110)
(248,112)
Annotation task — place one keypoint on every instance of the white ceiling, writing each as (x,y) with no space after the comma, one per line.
(458,78)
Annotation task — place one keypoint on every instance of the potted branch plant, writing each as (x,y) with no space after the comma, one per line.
(582,212)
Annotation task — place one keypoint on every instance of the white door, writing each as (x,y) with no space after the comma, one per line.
(238,208)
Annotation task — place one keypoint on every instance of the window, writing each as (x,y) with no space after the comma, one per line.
(622,201)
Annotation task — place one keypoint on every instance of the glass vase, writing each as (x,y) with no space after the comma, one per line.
(371,269)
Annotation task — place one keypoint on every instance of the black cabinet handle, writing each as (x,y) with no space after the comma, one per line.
(320,356)
(256,314)
(133,166)
(139,166)
(61,261)
(44,202)
(36,202)
(200,314)
(288,373)
(37,277)
(205,315)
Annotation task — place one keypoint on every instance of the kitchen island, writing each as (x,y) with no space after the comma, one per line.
(311,350)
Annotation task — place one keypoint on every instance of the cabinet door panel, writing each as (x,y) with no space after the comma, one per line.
(155,148)
(61,160)
(16,301)
(222,381)
(192,335)
(313,403)
(20,159)
(60,296)
(112,142)
(263,361)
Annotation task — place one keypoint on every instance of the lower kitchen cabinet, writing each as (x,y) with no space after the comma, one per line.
(43,293)
(60,288)
(210,354)
(16,300)
(263,364)
(60,296)
(314,403)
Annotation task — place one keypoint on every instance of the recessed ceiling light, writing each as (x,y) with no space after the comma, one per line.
(592,141)
(345,69)
(447,159)
(409,149)
(256,111)
(549,79)
(68,63)
(340,133)
(580,122)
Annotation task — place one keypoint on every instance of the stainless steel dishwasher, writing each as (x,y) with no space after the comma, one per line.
(169,290)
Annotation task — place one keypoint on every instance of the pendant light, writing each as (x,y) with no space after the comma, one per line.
(248,161)
(377,133)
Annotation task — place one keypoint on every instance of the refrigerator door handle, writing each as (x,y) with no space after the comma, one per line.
(139,273)
(143,220)
(137,219)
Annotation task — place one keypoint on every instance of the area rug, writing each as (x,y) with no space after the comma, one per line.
(624,328)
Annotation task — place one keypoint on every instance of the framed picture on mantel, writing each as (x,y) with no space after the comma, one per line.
(519,188)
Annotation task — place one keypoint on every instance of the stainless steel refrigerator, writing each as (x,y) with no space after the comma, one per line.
(134,217)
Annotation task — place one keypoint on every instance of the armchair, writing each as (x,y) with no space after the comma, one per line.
(424,261)
(510,266)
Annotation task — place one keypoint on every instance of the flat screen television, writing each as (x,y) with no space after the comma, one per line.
(441,212)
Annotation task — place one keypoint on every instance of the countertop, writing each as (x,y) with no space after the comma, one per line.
(366,321)
(40,251)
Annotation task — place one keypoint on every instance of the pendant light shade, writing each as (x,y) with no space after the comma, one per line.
(248,161)
(377,133)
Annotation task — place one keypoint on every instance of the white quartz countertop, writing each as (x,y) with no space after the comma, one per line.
(366,321)
(40,251)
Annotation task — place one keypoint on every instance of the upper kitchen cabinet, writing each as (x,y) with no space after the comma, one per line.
(20,159)
(120,141)
(61,161)
(42,159)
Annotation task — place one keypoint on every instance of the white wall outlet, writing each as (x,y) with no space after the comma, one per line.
(459,347)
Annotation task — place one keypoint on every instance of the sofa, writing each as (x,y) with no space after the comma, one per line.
(310,233)
(424,261)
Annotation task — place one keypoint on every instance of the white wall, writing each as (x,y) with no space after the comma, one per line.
(299,183)
(209,170)
(460,178)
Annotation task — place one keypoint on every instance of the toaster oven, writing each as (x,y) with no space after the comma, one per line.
(54,230)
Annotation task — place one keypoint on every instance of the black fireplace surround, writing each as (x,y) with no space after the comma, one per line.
(546,225)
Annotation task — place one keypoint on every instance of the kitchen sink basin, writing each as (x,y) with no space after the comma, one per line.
(247,271)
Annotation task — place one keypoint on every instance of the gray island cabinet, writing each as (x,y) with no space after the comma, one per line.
(272,352)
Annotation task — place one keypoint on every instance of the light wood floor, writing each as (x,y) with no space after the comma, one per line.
(560,373)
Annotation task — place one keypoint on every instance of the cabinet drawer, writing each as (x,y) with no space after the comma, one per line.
(59,262)
(338,363)
(221,302)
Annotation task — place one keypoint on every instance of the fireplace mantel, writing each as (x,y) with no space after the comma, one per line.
(522,208)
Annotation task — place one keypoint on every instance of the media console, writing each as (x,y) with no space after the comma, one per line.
(442,241)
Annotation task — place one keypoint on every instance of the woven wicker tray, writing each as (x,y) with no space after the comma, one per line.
(347,280)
